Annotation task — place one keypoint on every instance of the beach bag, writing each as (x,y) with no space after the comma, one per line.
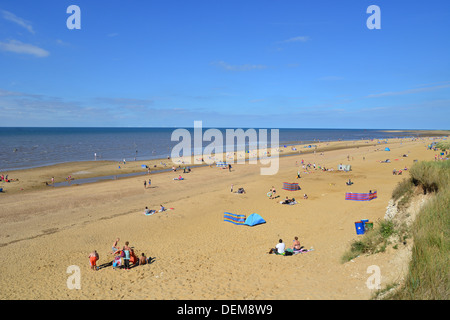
(288,253)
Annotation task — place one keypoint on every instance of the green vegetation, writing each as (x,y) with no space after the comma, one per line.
(443,145)
(428,275)
(376,240)
(431,176)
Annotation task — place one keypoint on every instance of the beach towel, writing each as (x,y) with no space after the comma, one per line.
(238,219)
(291,186)
(150,212)
(360,196)
(291,252)
(301,251)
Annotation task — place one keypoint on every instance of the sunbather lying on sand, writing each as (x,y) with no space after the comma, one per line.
(288,201)
(147,211)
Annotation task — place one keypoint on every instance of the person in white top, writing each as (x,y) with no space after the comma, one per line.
(280,247)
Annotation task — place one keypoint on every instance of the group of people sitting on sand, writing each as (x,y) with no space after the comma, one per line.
(122,257)
(185,169)
(281,249)
(272,194)
(148,212)
(6,179)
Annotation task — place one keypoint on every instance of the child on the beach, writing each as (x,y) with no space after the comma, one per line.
(142,259)
(273,192)
(93,257)
(114,246)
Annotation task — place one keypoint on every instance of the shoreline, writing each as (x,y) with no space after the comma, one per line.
(413,134)
(99,170)
(423,133)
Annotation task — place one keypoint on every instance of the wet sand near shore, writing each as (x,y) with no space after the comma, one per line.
(196,255)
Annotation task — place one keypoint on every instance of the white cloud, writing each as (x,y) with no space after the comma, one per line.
(296,39)
(62,43)
(23,48)
(243,67)
(19,21)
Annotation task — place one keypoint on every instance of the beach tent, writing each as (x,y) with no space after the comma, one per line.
(291,186)
(344,167)
(238,219)
(254,219)
(387,149)
(361,196)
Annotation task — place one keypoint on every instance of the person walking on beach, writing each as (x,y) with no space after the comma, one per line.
(145,184)
(231,188)
(93,257)
(149,182)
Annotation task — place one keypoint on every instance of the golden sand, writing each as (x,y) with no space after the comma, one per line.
(196,255)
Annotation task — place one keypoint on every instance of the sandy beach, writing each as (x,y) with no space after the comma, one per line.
(196,255)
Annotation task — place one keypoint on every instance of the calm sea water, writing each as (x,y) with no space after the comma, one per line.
(22,148)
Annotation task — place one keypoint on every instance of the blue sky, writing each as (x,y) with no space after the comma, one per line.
(238,64)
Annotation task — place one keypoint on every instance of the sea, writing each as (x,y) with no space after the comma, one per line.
(30,147)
